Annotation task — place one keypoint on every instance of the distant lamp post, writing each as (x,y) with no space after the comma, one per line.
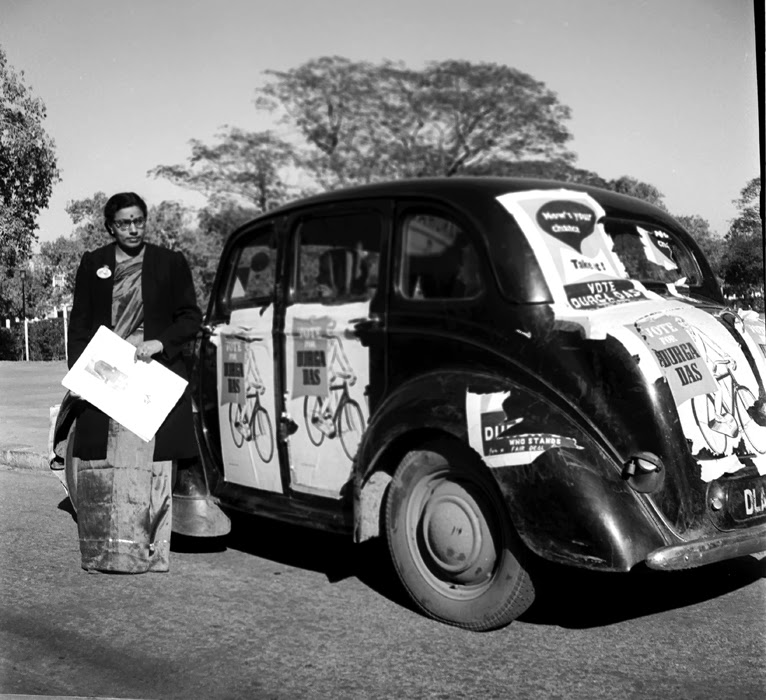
(24,313)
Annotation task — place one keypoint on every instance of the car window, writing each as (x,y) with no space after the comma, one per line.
(252,271)
(338,258)
(438,260)
(652,255)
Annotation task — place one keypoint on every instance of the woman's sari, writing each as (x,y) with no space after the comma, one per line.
(124,501)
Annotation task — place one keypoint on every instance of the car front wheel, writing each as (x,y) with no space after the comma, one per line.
(451,539)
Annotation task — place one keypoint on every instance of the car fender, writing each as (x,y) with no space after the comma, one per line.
(567,501)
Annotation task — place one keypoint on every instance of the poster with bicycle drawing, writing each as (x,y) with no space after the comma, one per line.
(679,357)
(247,401)
(327,370)
(713,386)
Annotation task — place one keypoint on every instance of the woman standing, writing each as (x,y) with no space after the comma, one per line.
(145,294)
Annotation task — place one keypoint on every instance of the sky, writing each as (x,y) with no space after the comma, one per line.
(664,91)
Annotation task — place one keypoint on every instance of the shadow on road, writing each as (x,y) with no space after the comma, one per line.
(565,596)
(579,599)
(67,507)
(335,556)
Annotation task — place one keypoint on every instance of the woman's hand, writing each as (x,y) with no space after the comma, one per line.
(145,350)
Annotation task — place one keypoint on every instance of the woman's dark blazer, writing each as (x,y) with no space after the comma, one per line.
(171,315)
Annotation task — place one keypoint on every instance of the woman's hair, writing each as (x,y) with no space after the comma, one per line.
(122,200)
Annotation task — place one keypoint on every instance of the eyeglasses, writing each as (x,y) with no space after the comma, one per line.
(125,224)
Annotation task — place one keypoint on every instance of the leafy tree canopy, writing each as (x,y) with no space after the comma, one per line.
(742,260)
(748,221)
(636,188)
(245,166)
(199,235)
(27,166)
(26,292)
(565,171)
(365,122)
(712,245)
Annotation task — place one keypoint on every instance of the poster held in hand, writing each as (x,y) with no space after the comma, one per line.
(138,395)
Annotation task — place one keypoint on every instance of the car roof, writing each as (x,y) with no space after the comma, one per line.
(462,190)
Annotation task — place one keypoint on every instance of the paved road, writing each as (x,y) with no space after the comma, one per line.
(281,613)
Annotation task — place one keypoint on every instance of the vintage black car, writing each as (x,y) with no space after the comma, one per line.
(476,369)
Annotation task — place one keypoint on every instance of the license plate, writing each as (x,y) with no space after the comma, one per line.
(747,499)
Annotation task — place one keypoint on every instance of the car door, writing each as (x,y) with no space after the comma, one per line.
(331,335)
(240,348)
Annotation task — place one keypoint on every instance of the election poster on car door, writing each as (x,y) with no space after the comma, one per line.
(247,409)
(572,248)
(327,373)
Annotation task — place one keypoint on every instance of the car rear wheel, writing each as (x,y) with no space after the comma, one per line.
(451,539)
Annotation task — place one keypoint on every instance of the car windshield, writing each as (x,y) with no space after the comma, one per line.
(652,255)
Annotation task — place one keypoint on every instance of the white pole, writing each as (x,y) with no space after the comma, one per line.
(26,337)
(66,340)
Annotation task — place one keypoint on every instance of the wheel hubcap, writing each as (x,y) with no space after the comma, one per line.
(455,539)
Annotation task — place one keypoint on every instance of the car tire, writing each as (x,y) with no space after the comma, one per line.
(451,539)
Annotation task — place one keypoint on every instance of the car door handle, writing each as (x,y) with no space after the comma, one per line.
(371,321)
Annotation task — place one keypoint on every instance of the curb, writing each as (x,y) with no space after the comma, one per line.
(23,459)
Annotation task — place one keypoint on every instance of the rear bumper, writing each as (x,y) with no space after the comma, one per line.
(709,550)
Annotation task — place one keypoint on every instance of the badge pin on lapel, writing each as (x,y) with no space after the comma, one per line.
(104,272)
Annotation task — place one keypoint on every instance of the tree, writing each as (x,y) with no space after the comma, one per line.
(27,166)
(203,251)
(562,171)
(200,236)
(88,217)
(742,261)
(62,256)
(748,222)
(712,245)
(24,292)
(636,188)
(243,166)
(168,223)
(565,171)
(59,258)
(366,122)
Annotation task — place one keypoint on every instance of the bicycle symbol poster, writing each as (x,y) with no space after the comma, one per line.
(311,345)
(246,403)
(233,370)
(327,373)
(682,362)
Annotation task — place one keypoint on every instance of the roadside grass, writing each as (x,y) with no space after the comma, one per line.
(27,391)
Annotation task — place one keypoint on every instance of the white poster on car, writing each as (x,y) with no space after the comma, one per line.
(327,370)
(246,400)
(572,248)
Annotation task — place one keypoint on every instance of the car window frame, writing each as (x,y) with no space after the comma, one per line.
(407,209)
(680,240)
(223,306)
(334,210)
